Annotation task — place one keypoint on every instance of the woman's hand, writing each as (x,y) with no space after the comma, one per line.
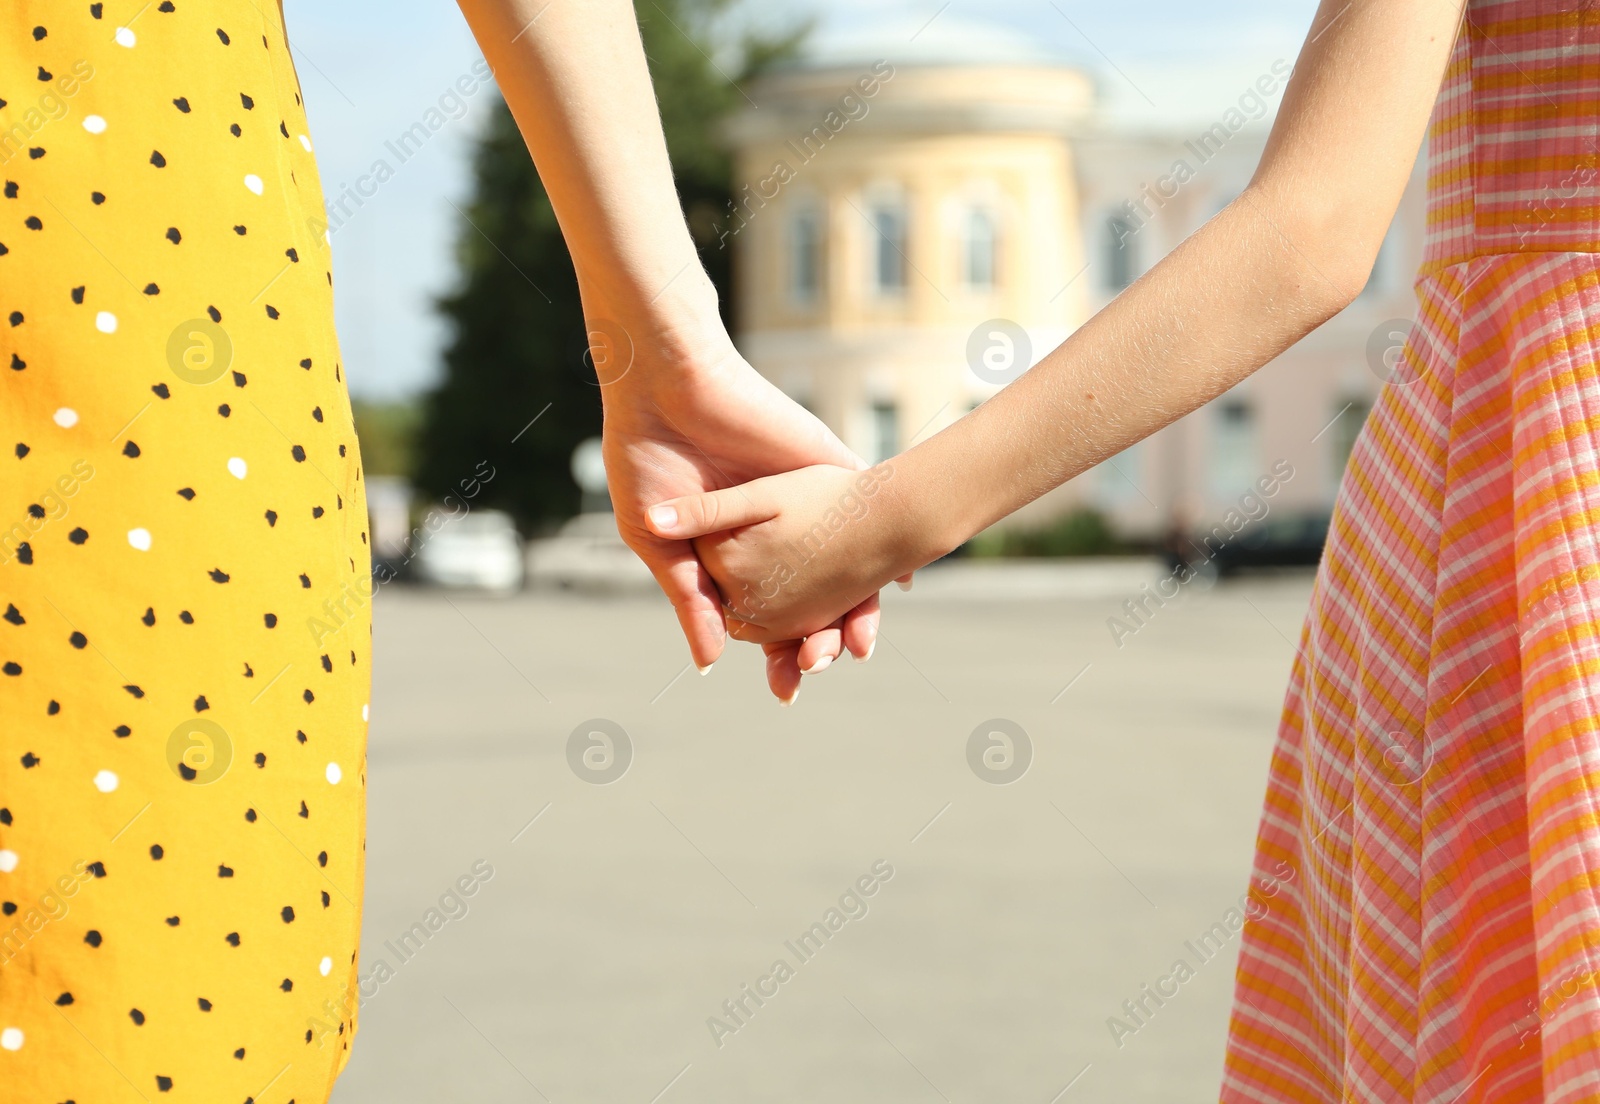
(797,550)
(682,417)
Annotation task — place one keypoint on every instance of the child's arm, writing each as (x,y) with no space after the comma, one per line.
(1292,251)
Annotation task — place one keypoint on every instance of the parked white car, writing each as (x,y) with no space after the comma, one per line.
(478,549)
(587,554)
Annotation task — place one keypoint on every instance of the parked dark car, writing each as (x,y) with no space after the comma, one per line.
(1278,540)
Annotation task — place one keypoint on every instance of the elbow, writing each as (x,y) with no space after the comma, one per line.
(1348,269)
(1328,255)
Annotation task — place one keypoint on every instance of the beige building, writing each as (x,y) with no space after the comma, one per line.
(921,220)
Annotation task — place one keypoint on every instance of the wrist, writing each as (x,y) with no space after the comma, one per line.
(671,332)
(917,528)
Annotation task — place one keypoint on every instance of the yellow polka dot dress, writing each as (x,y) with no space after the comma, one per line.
(184,572)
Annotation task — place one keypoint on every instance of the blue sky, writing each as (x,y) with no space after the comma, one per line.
(368,78)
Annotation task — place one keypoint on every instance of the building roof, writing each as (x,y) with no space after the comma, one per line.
(945,38)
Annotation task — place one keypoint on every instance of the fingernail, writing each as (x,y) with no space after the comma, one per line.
(787,702)
(872,647)
(706,670)
(819,666)
(905,585)
(665,517)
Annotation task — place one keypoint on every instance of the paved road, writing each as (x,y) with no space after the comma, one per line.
(1005,925)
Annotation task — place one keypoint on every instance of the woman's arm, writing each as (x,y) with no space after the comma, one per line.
(1292,251)
(683,411)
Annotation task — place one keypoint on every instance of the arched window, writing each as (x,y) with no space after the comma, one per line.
(1121,262)
(888,247)
(979,250)
(805,253)
(885,431)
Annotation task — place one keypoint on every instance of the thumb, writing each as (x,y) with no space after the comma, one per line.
(710,512)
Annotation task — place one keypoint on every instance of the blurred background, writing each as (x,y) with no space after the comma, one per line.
(1059,751)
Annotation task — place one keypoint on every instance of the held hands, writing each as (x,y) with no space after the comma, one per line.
(695,419)
(793,551)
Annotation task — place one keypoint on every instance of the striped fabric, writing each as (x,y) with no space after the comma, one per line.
(1428,866)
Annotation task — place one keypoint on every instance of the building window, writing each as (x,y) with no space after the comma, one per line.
(1378,279)
(885,431)
(805,254)
(1234,464)
(1343,433)
(979,250)
(888,247)
(1119,477)
(1121,263)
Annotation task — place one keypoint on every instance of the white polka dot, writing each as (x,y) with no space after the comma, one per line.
(125,37)
(237,467)
(105,322)
(11,1038)
(306,142)
(94,124)
(253,182)
(8,861)
(364,712)
(334,774)
(66,417)
(326,966)
(105,781)
(140,539)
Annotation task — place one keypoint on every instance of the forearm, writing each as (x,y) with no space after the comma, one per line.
(1227,301)
(1276,263)
(575,78)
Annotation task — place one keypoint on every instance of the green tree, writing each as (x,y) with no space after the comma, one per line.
(518,336)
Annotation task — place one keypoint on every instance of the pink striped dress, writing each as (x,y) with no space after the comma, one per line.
(1428,866)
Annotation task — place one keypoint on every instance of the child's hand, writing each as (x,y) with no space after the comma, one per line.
(792,553)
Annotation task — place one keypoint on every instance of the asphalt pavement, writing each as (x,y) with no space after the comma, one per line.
(938,877)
